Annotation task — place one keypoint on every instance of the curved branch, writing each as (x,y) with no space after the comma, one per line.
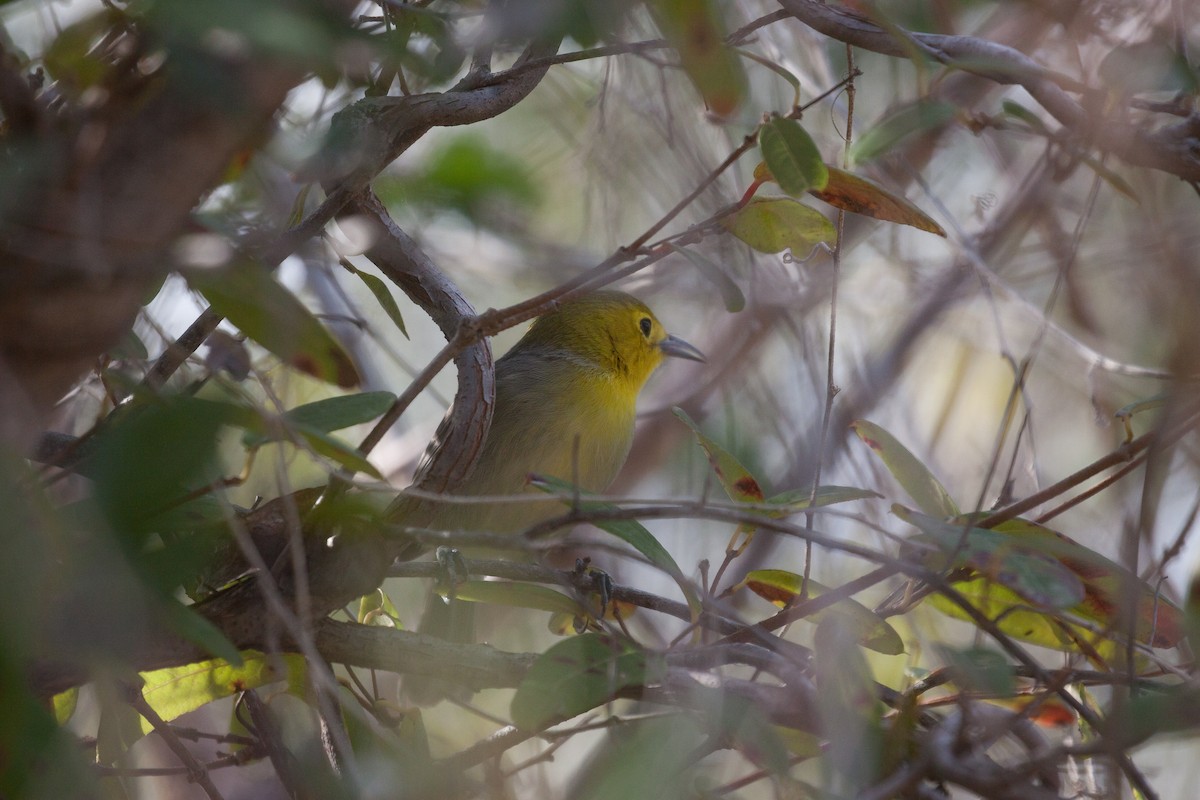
(461,436)
(1174,149)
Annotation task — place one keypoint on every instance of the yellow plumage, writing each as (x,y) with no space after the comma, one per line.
(566,398)
(575,375)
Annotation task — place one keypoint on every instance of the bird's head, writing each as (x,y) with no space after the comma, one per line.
(612,330)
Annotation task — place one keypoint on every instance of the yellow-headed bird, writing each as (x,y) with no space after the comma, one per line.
(566,399)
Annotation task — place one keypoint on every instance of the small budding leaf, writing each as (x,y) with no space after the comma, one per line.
(792,156)
(775,224)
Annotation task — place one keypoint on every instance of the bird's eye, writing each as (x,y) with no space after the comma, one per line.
(645,325)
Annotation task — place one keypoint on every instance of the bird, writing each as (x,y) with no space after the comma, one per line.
(566,403)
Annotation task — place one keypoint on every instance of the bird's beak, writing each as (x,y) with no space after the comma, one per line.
(674,346)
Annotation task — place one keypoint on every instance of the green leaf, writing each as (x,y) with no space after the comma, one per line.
(647,758)
(150,455)
(247,295)
(1030,571)
(64,704)
(518,595)
(782,588)
(376,608)
(734,299)
(695,29)
(794,500)
(330,414)
(629,531)
(577,675)
(1018,111)
(384,296)
(1160,623)
(175,691)
(735,479)
(774,224)
(792,156)
(921,116)
(344,454)
(980,669)
(928,493)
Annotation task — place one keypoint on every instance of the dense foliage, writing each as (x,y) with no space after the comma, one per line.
(941,258)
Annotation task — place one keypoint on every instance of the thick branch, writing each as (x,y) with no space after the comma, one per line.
(1174,149)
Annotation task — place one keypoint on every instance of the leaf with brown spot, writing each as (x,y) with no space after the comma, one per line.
(782,588)
(915,478)
(738,482)
(855,193)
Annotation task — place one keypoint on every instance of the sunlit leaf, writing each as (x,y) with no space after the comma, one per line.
(1160,623)
(913,476)
(774,224)
(792,156)
(782,588)
(64,704)
(251,299)
(175,691)
(577,675)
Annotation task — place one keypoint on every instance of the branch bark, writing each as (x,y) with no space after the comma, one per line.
(1174,149)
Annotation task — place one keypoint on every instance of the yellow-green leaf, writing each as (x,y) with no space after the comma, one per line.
(175,691)
(782,588)
(928,493)
(518,595)
(774,224)
(735,479)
